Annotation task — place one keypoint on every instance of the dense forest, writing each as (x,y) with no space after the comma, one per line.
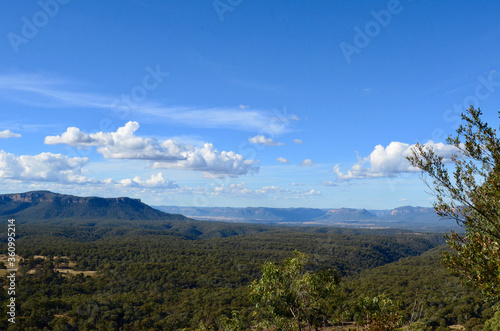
(148,275)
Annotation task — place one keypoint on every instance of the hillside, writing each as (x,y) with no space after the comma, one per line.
(146,275)
(429,293)
(43,205)
(90,260)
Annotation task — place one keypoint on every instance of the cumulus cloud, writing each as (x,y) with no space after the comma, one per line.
(8,134)
(73,137)
(44,167)
(156,181)
(124,144)
(390,161)
(328,183)
(298,141)
(209,160)
(282,160)
(259,139)
(307,163)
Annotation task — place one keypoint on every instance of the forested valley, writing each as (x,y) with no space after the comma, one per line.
(170,275)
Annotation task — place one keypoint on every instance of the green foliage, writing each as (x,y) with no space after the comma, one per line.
(471,196)
(428,294)
(378,313)
(493,324)
(153,275)
(237,322)
(289,296)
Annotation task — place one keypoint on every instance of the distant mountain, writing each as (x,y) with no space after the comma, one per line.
(347,214)
(409,213)
(43,205)
(407,217)
(248,214)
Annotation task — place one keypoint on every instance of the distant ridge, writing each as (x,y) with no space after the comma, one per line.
(406,217)
(43,205)
(347,214)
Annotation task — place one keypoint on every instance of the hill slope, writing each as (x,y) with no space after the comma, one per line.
(43,205)
(426,290)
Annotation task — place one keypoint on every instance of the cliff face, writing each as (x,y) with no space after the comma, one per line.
(47,196)
(40,205)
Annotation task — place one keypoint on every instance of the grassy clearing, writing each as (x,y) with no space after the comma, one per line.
(64,268)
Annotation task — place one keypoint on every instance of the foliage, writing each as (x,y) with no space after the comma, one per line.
(428,294)
(237,322)
(471,196)
(378,313)
(493,324)
(155,275)
(292,296)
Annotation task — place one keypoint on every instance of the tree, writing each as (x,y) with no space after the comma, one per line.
(471,196)
(378,313)
(289,297)
(493,323)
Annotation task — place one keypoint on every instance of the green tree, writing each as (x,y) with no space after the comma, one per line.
(378,313)
(289,297)
(493,324)
(471,196)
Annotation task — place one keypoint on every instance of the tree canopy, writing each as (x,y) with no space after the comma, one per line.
(467,188)
(293,296)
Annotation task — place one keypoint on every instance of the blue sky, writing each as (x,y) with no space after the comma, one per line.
(238,102)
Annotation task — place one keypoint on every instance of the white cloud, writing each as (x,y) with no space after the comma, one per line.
(282,160)
(259,139)
(124,144)
(298,141)
(8,134)
(156,181)
(210,161)
(73,137)
(44,167)
(389,161)
(307,163)
(241,189)
(328,183)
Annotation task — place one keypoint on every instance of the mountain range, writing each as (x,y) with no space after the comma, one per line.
(406,217)
(46,205)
